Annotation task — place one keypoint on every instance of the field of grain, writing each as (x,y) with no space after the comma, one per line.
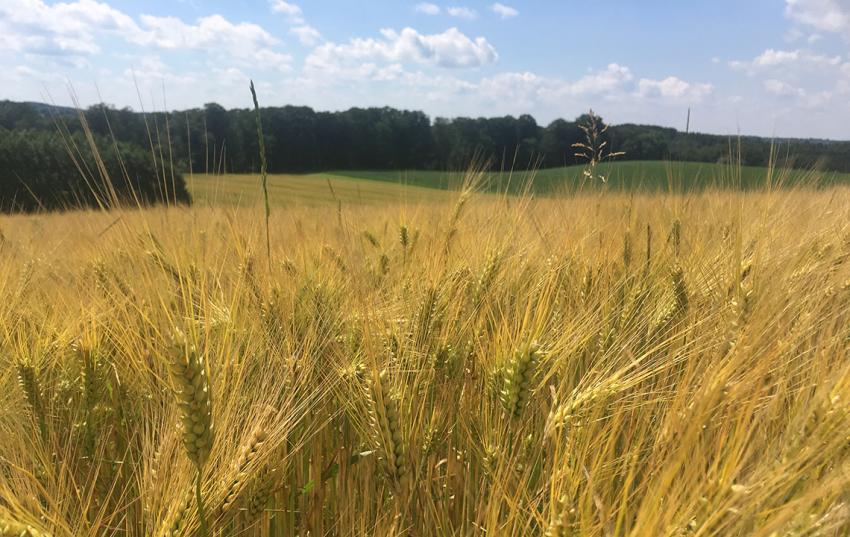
(607,364)
(379,187)
(304,190)
(650,175)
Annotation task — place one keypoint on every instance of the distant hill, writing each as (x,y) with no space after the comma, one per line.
(47,109)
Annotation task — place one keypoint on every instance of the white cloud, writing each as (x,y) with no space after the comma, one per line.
(293,11)
(213,30)
(506,12)
(451,49)
(65,28)
(279,6)
(611,78)
(75,29)
(674,88)
(527,92)
(523,89)
(428,8)
(462,12)
(800,81)
(246,43)
(778,87)
(306,34)
(772,58)
(824,15)
(263,58)
(151,69)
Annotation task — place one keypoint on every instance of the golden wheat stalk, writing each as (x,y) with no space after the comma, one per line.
(244,465)
(195,399)
(10,528)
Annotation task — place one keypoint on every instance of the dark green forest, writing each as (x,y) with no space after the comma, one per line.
(48,170)
(36,169)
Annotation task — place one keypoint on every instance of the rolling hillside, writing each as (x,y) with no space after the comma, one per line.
(376,187)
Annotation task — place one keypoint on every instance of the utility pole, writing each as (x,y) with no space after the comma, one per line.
(688,122)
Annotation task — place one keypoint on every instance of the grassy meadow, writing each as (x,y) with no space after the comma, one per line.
(399,360)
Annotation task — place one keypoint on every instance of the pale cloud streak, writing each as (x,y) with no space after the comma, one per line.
(290,10)
(306,34)
(462,12)
(778,87)
(674,88)
(772,58)
(427,8)
(505,12)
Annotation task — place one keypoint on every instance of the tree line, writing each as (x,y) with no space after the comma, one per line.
(52,170)
(212,139)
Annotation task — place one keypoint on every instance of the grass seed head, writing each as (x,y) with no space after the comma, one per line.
(519,377)
(194,397)
(244,464)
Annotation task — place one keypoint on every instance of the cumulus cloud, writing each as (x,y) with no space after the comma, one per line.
(451,49)
(611,78)
(292,11)
(824,15)
(75,28)
(65,28)
(674,88)
(213,30)
(247,43)
(506,12)
(427,8)
(306,34)
(462,12)
(525,91)
(358,68)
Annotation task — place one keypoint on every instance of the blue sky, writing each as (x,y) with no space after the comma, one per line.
(768,67)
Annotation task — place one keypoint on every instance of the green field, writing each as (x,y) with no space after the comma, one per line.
(377,187)
(651,175)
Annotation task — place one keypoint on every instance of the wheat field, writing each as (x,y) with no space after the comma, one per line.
(600,364)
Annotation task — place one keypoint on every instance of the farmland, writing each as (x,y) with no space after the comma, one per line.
(404,360)
(304,190)
(627,175)
(279,268)
(365,187)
